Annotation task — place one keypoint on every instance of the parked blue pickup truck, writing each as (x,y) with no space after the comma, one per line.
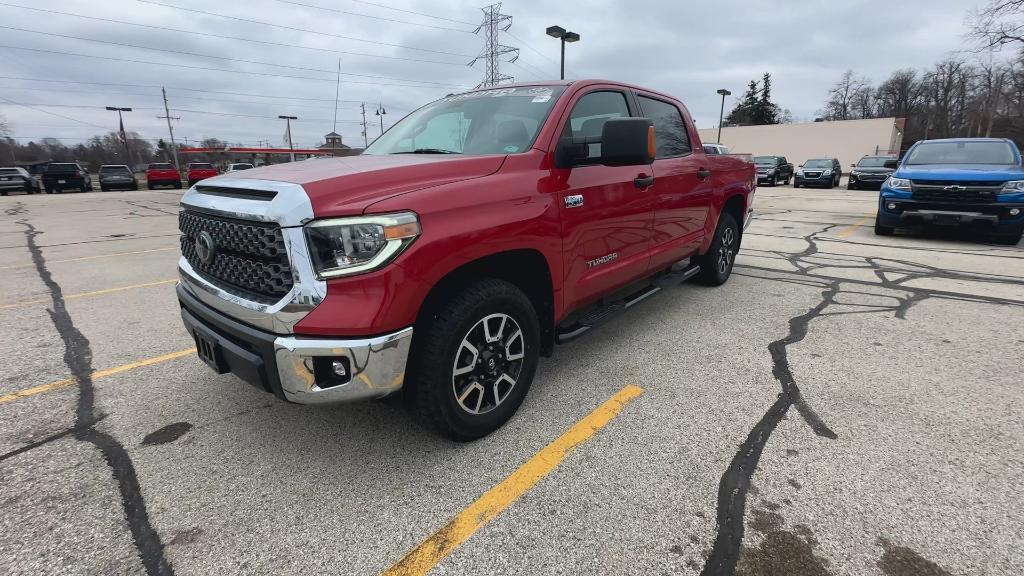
(962,182)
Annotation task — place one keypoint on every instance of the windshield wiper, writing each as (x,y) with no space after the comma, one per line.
(429,151)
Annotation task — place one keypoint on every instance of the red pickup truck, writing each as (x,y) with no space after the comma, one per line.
(199,171)
(162,174)
(462,245)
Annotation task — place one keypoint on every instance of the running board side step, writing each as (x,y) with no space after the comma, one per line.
(606,313)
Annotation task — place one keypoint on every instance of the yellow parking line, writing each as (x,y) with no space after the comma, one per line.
(95,376)
(425,556)
(853,227)
(80,259)
(85,294)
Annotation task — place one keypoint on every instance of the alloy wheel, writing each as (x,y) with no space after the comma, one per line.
(726,250)
(488,363)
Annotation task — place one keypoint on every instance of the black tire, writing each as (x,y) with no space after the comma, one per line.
(1009,239)
(49,190)
(831,184)
(135,185)
(438,349)
(716,264)
(796,184)
(773,182)
(3,193)
(149,185)
(883,230)
(103,188)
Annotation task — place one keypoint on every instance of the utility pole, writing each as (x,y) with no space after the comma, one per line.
(380,113)
(494,22)
(366,140)
(334,128)
(288,134)
(167,115)
(124,136)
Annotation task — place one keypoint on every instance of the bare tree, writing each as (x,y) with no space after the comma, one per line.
(999,23)
(947,88)
(841,98)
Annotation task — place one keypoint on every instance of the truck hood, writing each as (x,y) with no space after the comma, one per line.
(966,172)
(346,186)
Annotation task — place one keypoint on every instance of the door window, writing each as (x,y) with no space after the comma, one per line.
(669,128)
(589,115)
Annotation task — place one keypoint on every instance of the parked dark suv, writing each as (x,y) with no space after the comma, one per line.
(824,172)
(117,176)
(870,172)
(61,176)
(773,169)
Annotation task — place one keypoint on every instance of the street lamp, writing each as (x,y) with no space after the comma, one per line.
(124,137)
(564,36)
(381,112)
(288,134)
(721,112)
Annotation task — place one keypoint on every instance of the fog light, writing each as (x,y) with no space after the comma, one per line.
(891,205)
(1014,211)
(339,369)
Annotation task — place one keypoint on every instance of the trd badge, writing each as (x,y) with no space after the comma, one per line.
(574,201)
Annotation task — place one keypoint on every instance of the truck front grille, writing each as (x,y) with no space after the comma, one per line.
(951,191)
(248,258)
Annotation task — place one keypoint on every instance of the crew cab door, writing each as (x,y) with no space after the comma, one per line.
(606,214)
(682,189)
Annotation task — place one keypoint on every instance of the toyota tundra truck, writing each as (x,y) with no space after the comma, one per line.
(975,183)
(463,244)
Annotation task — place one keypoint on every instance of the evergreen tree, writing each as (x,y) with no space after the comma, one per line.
(756,107)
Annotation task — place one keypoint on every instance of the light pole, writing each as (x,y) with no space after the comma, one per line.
(288,134)
(381,112)
(721,112)
(564,36)
(124,137)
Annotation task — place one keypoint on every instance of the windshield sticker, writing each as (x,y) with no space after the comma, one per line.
(540,94)
(511,148)
(481,94)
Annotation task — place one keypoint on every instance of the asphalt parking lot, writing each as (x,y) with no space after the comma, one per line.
(846,404)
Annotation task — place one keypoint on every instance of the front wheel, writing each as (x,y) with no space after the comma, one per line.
(1010,239)
(716,264)
(475,360)
(883,230)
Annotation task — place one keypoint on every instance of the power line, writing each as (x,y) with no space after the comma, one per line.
(54,114)
(211,112)
(296,29)
(211,69)
(223,37)
(155,86)
(523,42)
(414,12)
(225,58)
(373,17)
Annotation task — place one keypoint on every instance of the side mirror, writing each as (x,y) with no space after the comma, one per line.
(853,165)
(627,142)
(800,166)
(894,164)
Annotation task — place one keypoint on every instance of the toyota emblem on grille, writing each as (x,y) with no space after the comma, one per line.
(205,248)
(954,188)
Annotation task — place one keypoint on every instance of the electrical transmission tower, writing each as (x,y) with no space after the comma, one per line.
(493,51)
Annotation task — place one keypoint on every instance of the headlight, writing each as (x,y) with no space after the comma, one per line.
(799,172)
(1013,186)
(771,171)
(345,246)
(898,183)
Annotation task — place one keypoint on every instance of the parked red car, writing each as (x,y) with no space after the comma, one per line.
(162,174)
(463,244)
(198,171)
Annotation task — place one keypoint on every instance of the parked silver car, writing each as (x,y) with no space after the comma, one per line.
(17,179)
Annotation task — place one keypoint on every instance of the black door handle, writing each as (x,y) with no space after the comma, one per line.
(643,181)
(703,173)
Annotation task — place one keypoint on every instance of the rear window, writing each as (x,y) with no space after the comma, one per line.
(966,152)
(62,168)
(161,167)
(9,171)
(200,166)
(109,169)
(241,166)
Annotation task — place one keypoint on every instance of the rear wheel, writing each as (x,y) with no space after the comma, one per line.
(1010,239)
(476,361)
(135,185)
(716,264)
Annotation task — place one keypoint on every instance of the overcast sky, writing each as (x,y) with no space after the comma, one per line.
(401,59)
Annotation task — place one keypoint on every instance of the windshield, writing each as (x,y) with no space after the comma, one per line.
(241,166)
(497,121)
(976,152)
(818,164)
(873,162)
(764,160)
(108,169)
(200,166)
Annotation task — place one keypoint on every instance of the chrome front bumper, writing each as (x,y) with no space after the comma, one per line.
(378,367)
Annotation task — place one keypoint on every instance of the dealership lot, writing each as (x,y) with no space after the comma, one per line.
(898,448)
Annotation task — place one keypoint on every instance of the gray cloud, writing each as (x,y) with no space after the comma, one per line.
(688,49)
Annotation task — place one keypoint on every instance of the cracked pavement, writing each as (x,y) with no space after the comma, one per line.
(845,404)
